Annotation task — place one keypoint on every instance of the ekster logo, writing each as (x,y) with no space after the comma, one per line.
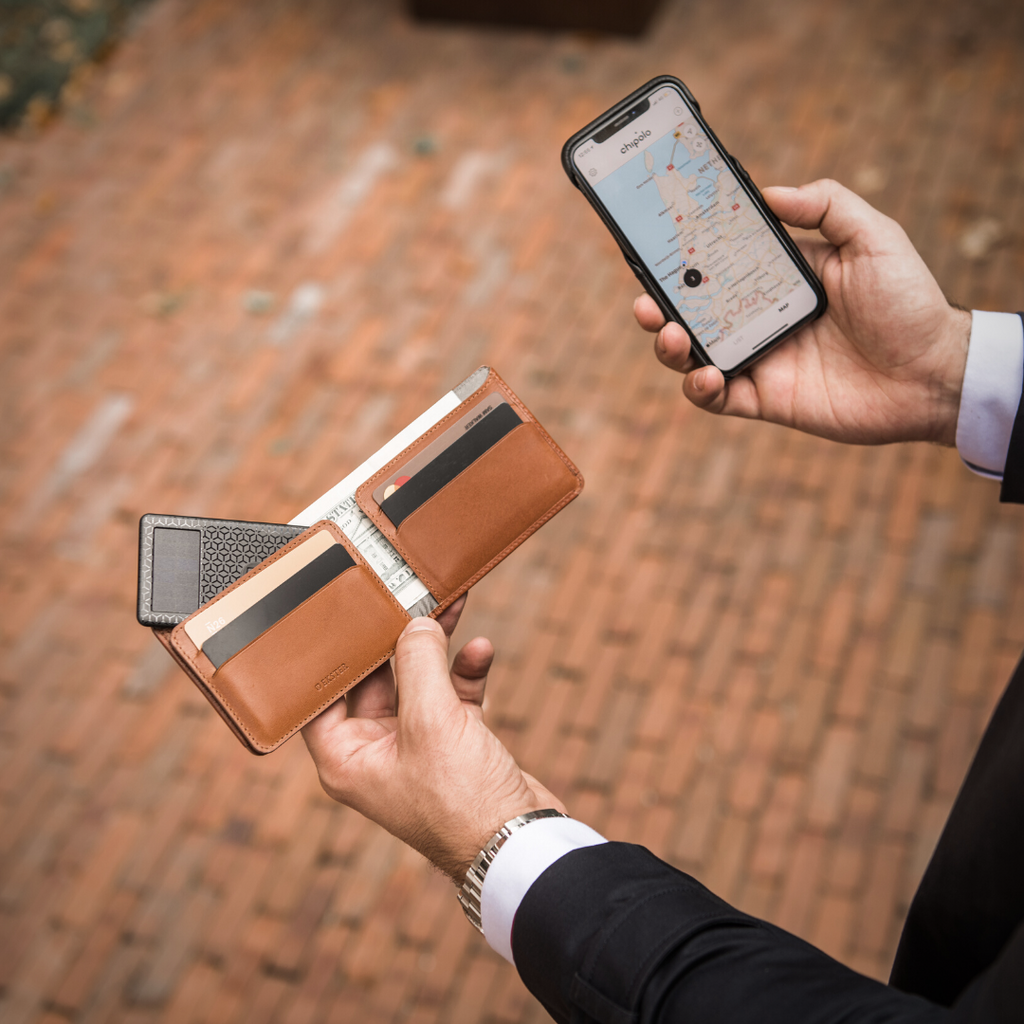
(635,144)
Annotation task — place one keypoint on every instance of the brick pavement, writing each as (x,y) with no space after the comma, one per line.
(766,657)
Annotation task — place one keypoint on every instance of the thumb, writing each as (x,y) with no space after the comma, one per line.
(840,215)
(425,692)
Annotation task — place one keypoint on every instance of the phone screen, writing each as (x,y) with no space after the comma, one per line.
(699,234)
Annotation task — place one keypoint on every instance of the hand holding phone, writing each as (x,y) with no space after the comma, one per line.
(693,227)
(886,361)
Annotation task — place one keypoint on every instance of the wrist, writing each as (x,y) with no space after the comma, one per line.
(484,830)
(471,890)
(949,380)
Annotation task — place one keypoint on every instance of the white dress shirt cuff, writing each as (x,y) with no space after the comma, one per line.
(993,379)
(526,855)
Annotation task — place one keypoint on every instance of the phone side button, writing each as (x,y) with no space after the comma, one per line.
(743,172)
(637,272)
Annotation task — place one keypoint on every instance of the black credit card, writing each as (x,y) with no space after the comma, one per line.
(285,598)
(184,561)
(458,456)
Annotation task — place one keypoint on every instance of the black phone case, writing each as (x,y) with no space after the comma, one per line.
(228,549)
(632,257)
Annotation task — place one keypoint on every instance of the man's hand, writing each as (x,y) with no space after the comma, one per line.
(417,757)
(886,361)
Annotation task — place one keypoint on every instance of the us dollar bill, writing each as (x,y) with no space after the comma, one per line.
(408,590)
(339,505)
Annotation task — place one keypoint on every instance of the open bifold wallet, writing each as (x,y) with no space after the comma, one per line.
(290,636)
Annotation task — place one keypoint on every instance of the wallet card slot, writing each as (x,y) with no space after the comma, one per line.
(310,654)
(470,523)
(292,671)
(457,524)
(281,601)
(454,460)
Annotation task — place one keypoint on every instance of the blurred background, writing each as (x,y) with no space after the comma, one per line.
(241,245)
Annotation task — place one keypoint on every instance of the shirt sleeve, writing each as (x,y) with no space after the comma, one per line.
(525,856)
(993,380)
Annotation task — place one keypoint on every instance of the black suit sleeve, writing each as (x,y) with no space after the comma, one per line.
(610,934)
(1013,472)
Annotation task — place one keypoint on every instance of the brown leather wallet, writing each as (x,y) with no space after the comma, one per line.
(307,659)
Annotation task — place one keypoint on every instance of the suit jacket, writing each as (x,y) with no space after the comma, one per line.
(613,935)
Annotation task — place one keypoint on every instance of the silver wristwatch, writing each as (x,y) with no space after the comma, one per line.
(473,886)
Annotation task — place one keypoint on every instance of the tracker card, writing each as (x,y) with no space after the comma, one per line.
(184,561)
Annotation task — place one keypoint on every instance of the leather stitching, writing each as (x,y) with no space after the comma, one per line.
(386,527)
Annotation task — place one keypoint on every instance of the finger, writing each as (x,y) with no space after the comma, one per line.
(672,347)
(425,692)
(709,390)
(839,214)
(470,668)
(336,744)
(705,388)
(647,314)
(328,720)
(449,618)
(374,697)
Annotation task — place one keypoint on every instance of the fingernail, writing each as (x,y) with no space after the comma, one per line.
(698,381)
(420,625)
(784,188)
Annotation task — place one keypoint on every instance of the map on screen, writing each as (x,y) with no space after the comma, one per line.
(699,233)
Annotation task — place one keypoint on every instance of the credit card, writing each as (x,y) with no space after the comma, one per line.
(404,473)
(285,598)
(216,615)
(459,455)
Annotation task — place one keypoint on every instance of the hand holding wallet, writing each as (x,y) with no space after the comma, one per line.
(288,639)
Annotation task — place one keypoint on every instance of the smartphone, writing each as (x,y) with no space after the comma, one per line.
(693,226)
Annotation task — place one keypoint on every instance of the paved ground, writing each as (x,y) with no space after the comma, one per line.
(764,656)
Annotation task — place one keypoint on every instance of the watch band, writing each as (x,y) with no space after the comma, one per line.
(472,888)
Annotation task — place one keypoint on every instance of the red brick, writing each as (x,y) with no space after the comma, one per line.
(882,735)
(979,633)
(832,775)
(929,694)
(725,862)
(878,924)
(835,627)
(733,714)
(906,636)
(799,891)
(699,816)
(752,773)
(833,928)
(804,729)
(955,749)
(778,825)
(857,835)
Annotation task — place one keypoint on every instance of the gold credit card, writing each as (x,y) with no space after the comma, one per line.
(222,610)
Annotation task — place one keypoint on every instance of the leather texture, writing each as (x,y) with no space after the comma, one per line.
(471,524)
(304,662)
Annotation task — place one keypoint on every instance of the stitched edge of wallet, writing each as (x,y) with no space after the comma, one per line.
(211,688)
(380,520)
